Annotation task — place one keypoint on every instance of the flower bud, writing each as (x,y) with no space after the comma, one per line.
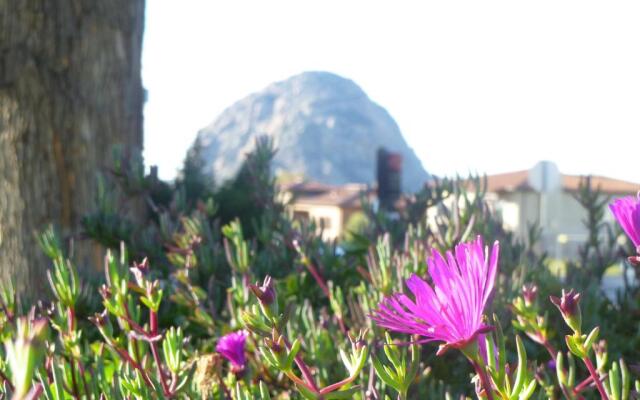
(357,341)
(100,319)
(602,356)
(139,271)
(275,342)
(105,292)
(529,293)
(265,293)
(634,260)
(195,241)
(569,306)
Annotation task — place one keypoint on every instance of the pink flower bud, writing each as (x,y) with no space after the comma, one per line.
(569,306)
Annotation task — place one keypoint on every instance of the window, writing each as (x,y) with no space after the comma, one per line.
(324,222)
(301,216)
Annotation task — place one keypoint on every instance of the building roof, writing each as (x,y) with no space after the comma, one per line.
(605,184)
(508,182)
(305,187)
(316,193)
(518,181)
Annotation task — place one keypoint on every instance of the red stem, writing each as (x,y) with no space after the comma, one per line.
(153,326)
(305,372)
(553,353)
(316,275)
(596,378)
(6,311)
(84,380)
(299,381)
(174,382)
(343,327)
(74,382)
(303,368)
(131,322)
(71,320)
(550,349)
(365,274)
(337,385)
(225,389)
(583,385)
(484,379)
(325,289)
(35,392)
(327,292)
(125,355)
(7,381)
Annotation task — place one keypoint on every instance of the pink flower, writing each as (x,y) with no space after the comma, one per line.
(627,212)
(451,309)
(231,347)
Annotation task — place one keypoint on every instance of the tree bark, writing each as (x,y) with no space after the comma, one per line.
(70,89)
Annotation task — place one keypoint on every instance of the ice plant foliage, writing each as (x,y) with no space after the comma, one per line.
(450,310)
(231,347)
(308,324)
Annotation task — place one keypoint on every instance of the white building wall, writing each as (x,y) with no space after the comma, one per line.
(560,215)
(330,215)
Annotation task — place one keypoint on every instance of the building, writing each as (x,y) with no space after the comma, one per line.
(541,195)
(329,206)
(521,199)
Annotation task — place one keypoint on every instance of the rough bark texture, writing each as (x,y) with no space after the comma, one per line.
(70,89)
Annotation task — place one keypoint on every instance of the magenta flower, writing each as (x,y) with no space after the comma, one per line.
(451,309)
(231,347)
(627,212)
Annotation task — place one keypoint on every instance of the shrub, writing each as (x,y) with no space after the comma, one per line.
(215,293)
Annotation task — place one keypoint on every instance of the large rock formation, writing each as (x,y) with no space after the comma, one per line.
(324,127)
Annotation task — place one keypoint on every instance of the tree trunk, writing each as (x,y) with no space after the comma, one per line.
(70,89)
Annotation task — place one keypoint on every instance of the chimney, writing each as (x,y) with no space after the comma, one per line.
(389,174)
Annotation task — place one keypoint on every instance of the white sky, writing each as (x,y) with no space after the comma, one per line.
(486,86)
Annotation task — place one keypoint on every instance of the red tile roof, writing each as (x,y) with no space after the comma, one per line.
(346,196)
(518,180)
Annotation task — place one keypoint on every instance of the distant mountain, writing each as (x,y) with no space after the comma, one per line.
(324,126)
